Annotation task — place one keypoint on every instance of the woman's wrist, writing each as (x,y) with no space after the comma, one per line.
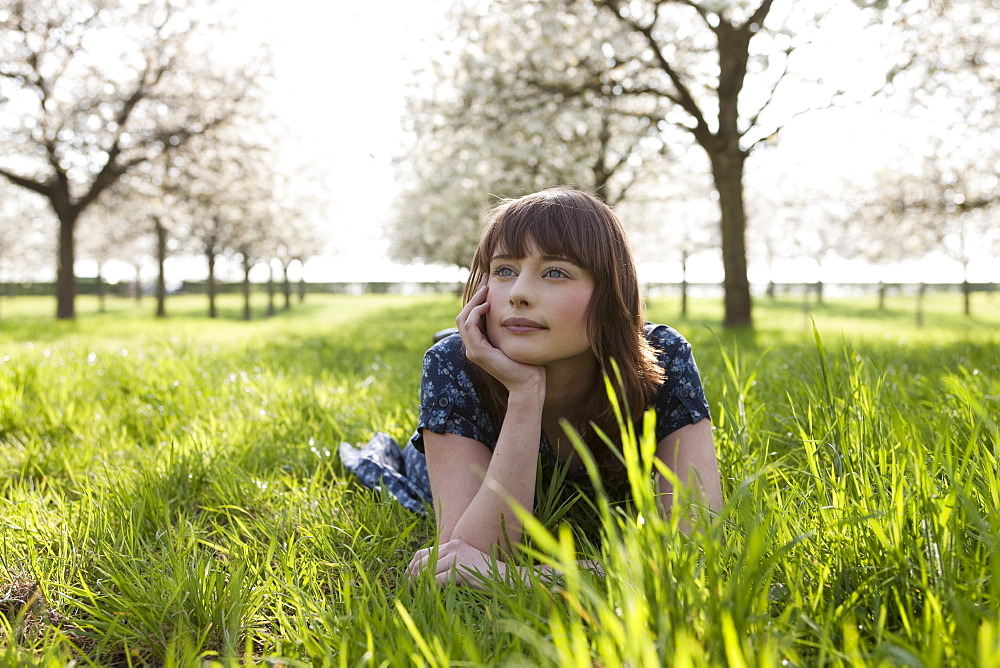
(530,391)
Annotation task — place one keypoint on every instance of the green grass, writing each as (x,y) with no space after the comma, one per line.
(170,494)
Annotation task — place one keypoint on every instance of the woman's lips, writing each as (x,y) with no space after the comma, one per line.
(522,325)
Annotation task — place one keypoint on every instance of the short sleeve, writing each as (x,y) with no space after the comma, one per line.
(680,400)
(449,403)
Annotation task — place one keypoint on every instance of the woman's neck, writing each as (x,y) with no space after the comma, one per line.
(568,386)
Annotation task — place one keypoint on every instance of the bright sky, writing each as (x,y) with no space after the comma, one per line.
(342,72)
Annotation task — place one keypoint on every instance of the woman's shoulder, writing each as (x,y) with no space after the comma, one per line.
(445,361)
(447,347)
(680,399)
(449,402)
(665,339)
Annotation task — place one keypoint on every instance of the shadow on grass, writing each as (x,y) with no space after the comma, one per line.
(32,319)
(791,319)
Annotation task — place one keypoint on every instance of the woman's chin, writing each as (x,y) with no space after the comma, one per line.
(519,354)
(527,359)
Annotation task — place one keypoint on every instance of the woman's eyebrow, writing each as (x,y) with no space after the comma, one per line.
(557,258)
(543,258)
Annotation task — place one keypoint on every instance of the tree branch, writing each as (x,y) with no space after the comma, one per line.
(35,186)
(684,98)
(760,14)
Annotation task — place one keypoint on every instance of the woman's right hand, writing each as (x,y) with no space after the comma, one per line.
(457,562)
(478,348)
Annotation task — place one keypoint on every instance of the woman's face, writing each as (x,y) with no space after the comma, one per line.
(538,308)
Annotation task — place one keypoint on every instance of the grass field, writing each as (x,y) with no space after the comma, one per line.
(170,495)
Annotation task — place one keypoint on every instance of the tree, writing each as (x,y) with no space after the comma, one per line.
(719,72)
(253,239)
(697,59)
(145,218)
(221,185)
(253,230)
(951,52)
(772,236)
(801,214)
(672,217)
(947,194)
(24,237)
(300,207)
(97,87)
(250,251)
(115,231)
(943,205)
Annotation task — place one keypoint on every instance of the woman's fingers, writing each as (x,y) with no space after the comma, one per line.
(477,300)
(473,330)
(418,563)
(457,562)
(421,559)
(469,321)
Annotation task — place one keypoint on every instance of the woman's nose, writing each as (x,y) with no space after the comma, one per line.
(520,291)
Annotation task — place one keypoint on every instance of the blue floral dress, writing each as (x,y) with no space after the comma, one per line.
(450,404)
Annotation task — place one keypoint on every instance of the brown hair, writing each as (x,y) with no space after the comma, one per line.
(580,227)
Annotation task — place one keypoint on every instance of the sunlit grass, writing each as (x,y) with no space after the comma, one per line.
(794,317)
(169,493)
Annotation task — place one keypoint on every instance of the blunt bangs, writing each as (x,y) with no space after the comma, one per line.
(558,222)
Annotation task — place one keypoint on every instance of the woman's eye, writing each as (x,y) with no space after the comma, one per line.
(555,273)
(503,272)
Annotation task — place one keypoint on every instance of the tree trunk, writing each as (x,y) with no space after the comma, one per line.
(247,314)
(65,276)
(727,168)
(137,288)
(882,289)
(101,290)
(921,291)
(966,289)
(728,159)
(161,260)
(286,286)
(600,165)
(270,289)
(210,283)
(819,291)
(302,288)
(684,284)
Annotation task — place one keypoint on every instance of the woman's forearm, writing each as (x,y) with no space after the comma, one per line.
(690,454)
(489,520)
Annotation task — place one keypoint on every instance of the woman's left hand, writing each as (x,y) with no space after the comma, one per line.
(457,561)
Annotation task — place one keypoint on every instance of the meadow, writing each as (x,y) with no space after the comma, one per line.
(170,494)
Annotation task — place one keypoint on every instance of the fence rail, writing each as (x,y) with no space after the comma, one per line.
(834,290)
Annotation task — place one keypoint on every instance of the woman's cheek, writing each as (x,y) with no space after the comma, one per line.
(496,335)
(491,328)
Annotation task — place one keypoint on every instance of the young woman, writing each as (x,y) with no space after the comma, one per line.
(552,298)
